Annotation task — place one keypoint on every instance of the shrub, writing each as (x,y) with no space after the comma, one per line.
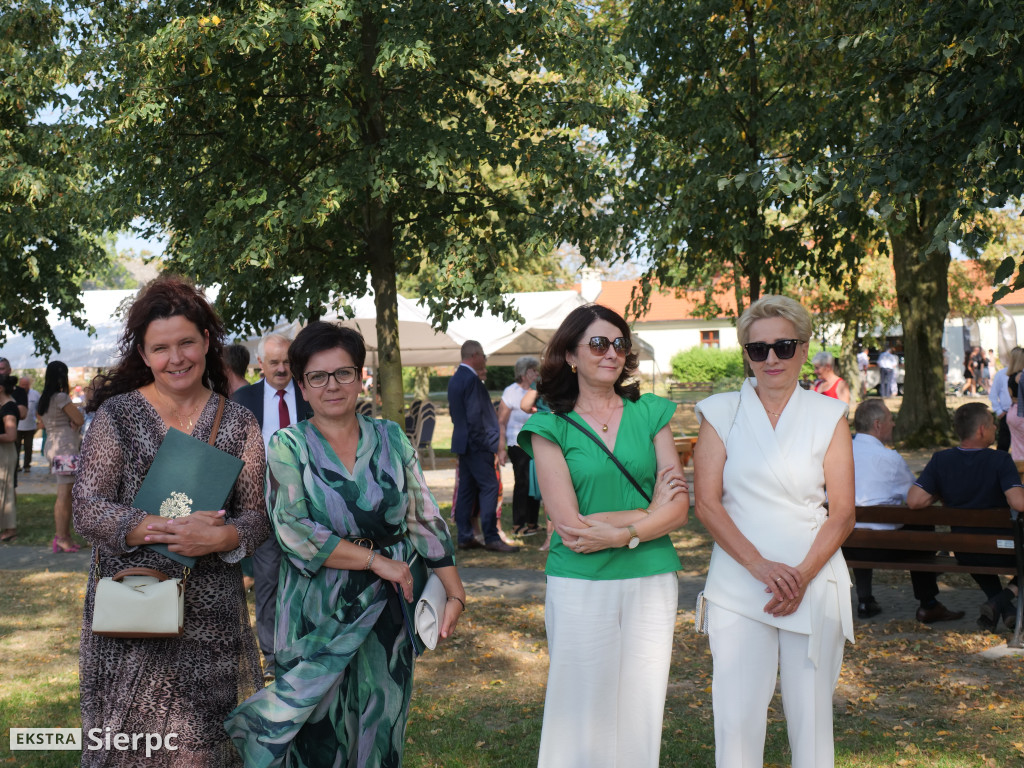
(699,364)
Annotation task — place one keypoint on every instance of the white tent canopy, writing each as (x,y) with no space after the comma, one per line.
(505,342)
(421,344)
(77,347)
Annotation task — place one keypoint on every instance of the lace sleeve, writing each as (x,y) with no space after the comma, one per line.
(100,513)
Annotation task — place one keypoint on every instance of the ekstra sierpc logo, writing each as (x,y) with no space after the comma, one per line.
(95,739)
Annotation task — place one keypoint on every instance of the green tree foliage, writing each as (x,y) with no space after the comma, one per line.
(732,88)
(47,209)
(942,84)
(113,273)
(293,150)
(699,364)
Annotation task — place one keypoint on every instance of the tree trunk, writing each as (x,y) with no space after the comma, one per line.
(846,364)
(922,292)
(385,299)
(378,229)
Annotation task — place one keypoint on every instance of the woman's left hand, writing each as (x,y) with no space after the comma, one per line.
(452,611)
(784,606)
(590,535)
(193,535)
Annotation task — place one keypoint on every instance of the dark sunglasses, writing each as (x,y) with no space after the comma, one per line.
(599,345)
(784,349)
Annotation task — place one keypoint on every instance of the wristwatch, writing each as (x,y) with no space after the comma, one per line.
(634,537)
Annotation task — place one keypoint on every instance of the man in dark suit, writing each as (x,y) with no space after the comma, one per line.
(475,441)
(276,402)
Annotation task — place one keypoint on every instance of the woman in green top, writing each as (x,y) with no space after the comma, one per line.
(611,591)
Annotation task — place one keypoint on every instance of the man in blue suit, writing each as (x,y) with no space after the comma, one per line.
(475,441)
(276,402)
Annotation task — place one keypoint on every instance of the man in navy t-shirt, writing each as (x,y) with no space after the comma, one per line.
(972,476)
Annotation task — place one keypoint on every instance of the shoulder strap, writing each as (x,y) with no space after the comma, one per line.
(611,456)
(217,418)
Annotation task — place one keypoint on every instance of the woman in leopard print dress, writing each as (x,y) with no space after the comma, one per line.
(170,375)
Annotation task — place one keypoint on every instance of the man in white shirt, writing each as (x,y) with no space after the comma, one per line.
(887,365)
(27,426)
(881,476)
(999,396)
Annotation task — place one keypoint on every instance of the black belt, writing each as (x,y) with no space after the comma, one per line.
(378,543)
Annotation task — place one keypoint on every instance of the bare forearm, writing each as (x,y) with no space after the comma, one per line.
(830,537)
(449,576)
(649,525)
(726,534)
(348,556)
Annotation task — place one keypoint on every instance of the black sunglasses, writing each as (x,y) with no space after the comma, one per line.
(784,349)
(599,345)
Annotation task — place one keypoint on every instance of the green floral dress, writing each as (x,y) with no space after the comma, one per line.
(344,659)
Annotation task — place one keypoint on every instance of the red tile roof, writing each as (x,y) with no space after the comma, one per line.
(666,305)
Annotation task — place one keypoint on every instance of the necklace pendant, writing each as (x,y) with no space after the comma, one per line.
(604,427)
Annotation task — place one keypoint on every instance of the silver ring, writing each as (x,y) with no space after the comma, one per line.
(779,578)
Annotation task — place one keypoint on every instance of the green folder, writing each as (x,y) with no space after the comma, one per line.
(185,465)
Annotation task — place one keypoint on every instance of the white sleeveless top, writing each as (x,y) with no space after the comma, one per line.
(774,490)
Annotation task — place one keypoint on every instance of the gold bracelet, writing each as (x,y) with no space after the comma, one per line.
(461,601)
(369,560)
(644,511)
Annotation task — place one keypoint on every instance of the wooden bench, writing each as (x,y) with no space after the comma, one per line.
(677,389)
(936,546)
(684,447)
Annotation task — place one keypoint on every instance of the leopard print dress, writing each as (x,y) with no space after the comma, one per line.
(187,685)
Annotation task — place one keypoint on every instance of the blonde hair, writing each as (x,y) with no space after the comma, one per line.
(1016,362)
(775,306)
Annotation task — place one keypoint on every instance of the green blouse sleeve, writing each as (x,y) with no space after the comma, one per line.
(304,541)
(544,424)
(659,411)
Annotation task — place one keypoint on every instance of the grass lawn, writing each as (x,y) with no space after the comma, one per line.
(35,520)
(908,695)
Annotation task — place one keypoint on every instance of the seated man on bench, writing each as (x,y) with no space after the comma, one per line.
(881,476)
(973,477)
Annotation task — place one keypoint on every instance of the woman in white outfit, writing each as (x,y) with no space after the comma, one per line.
(778,588)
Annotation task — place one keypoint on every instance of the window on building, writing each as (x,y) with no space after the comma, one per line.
(709,340)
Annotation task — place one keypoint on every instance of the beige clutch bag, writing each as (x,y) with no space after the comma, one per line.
(139,603)
(430,611)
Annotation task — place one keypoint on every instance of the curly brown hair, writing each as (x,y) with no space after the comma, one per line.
(558,384)
(166,296)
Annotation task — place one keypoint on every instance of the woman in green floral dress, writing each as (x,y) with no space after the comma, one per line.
(349,506)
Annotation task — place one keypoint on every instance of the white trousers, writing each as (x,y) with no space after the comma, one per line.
(748,658)
(610,644)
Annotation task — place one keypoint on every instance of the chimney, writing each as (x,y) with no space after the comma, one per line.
(590,283)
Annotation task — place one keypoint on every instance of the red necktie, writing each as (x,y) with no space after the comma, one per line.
(282,410)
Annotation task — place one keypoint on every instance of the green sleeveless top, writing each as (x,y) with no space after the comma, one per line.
(601,487)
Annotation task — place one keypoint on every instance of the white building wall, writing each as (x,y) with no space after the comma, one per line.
(668,338)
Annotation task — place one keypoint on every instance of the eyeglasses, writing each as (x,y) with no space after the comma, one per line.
(344,375)
(784,349)
(599,345)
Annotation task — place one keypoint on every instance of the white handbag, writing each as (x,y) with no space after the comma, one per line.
(430,611)
(139,603)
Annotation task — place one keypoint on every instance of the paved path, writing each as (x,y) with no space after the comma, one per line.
(896,599)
